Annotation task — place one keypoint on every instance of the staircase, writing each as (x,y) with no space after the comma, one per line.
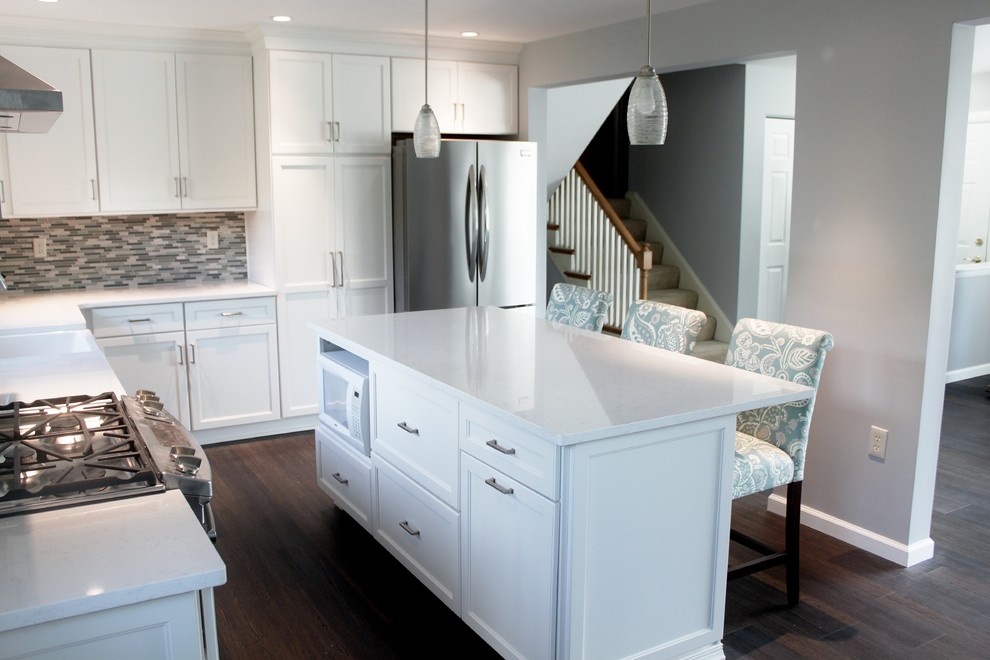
(664,285)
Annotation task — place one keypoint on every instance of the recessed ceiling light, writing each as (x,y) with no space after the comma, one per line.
(47,0)
(469,33)
(281,19)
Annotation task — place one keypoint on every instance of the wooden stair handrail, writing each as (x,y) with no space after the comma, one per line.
(644,255)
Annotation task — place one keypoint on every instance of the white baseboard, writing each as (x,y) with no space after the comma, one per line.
(864,539)
(257,430)
(968,372)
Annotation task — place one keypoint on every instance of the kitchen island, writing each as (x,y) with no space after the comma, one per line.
(568,494)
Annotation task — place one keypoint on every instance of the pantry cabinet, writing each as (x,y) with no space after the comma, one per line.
(54,173)
(322,103)
(333,255)
(174,131)
(467,97)
(213,363)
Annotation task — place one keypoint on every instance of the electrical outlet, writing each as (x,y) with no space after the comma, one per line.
(212,239)
(40,247)
(878,442)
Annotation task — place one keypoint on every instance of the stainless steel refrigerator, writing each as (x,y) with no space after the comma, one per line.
(464,225)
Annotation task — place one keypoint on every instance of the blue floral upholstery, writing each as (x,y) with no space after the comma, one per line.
(765,437)
(664,326)
(578,306)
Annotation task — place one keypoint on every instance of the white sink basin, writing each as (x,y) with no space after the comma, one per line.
(46,343)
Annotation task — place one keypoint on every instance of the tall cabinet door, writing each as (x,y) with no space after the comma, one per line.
(136,130)
(54,173)
(303,203)
(364,234)
(362,120)
(215,97)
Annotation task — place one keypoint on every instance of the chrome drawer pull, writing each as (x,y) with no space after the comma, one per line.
(231,313)
(139,320)
(409,530)
(493,443)
(336,475)
(408,429)
(497,486)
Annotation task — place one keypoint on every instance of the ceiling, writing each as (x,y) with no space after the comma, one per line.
(512,21)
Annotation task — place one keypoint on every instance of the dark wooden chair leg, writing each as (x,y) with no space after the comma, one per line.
(792,536)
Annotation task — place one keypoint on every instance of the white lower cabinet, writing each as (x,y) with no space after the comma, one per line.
(345,476)
(420,531)
(508,562)
(169,628)
(213,363)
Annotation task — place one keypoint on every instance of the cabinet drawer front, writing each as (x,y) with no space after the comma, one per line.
(229,313)
(344,476)
(137,319)
(421,531)
(416,430)
(532,461)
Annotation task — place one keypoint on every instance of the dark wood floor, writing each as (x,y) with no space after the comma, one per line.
(306,581)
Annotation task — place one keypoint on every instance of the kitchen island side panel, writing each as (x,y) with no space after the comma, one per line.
(644,543)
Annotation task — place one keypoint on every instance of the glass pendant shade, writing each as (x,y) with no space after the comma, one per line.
(646,116)
(426,133)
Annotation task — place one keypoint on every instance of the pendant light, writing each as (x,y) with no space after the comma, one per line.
(426,132)
(646,116)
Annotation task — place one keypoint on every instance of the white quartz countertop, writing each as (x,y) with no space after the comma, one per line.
(561,383)
(62,310)
(66,562)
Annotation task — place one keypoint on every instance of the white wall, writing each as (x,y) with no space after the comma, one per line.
(866,263)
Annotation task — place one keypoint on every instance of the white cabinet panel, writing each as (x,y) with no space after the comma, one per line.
(344,476)
(298,374)
(136,130)
(152,362)
(54,173)
(323,104)
(364,234)
(420,531)
(303,206)
(215,97)
(508,562)
(467,97)
(233,376)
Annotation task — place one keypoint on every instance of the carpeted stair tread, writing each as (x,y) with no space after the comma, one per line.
(708,330)
(636,227)
(622,206)
(679,297)
(664,276)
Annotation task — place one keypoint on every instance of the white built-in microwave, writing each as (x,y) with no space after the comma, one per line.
(344,398)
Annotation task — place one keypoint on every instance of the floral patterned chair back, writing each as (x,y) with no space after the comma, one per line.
(664,326)
(578,306)
(781,351)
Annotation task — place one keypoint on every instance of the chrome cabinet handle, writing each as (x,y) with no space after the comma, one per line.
(408,429)
(185,186)
(499,487)
(231,313)
(336,131)
(178,349)
(178,190)
(341,480)
(92,187)
(148,320)
(493,443)
(192,354)
(3,194)
(340,264)
(409,530)
(329,131)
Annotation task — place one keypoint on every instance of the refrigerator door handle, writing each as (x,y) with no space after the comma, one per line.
(471,223)
(483,211)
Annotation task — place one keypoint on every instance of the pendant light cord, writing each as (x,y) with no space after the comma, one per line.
(426,52)
(649,30)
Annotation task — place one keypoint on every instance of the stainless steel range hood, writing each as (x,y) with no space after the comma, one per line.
(27,103)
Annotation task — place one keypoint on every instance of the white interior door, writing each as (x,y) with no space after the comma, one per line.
(974,214)
(775,235)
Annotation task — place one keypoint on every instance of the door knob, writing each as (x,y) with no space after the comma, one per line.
(979,241)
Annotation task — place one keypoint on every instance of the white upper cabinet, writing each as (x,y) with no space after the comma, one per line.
(467,97)
(329,104)
(174,131)
(54,173)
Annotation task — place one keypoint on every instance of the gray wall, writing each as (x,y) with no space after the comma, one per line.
(874,220)
(693,183)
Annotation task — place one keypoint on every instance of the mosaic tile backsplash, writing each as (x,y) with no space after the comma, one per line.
(122,251)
